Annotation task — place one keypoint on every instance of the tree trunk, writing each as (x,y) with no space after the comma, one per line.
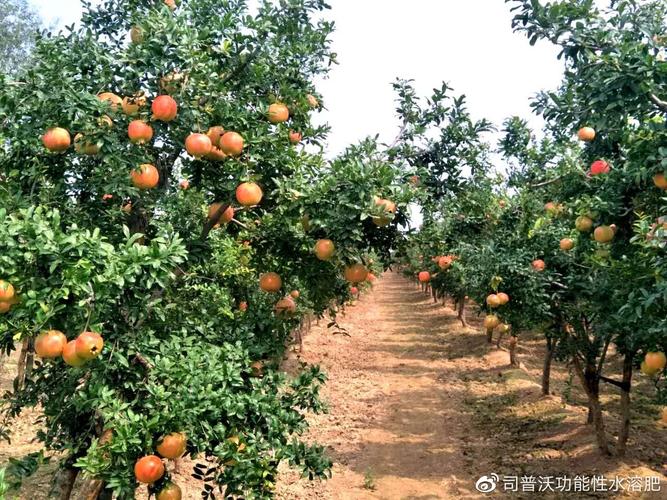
(500,338)
(624,431)
(63,483)
(590,381)
(514,361)
(546,369)
(489,335)
(434,294)
(29,360)
(23,355)
(462,311)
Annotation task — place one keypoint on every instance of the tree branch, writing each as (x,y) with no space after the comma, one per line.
(622,385)
(139,359)
(213,220)
(658,102)
(547,183)
(253,55)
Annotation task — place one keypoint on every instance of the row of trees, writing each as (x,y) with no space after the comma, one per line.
(188,263)
(572,230)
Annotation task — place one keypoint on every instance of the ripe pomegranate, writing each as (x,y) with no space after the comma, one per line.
(145,177)
(226,216)
(305,223)
(5,307)
(295,294)
(493,301)
(491,321)
(503,298)
(295,137)
(89,345)
(112,99)
(50,344)
(324,249)
(198,145)
(603,234)
(655,361)
(388,206)
(249,194)
(566,244)
(354,290)
(136,34)
(215,133)
(424,277)
(278,113)
(231,143)
(69,355)
(57,139)
(312,101)
(270,282)
(599,167)
(355,273)
(105,121)
(139,132)
(586,134)
(171,491)
(172,445)
(243,306)
(7,291)
(132,105)
(538,265)
(84,147)
(164,108)
(584,224)
(646,370)
(444,262)
(660,181)
(215,154)
(371,277)
(257,370)
(148,469)
(285,306)
(184,184)
(173,82)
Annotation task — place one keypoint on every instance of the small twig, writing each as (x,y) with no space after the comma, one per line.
(83,380)
(240,224)
(90,302)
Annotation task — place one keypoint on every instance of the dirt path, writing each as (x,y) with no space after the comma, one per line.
(398,425)
(420,408)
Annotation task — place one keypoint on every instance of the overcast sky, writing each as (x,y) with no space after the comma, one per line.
(467,43)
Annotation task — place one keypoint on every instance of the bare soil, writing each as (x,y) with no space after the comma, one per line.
(420,408)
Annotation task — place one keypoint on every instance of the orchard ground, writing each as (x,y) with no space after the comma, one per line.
(421,408)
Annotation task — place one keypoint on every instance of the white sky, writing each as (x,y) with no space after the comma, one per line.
(467,43)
